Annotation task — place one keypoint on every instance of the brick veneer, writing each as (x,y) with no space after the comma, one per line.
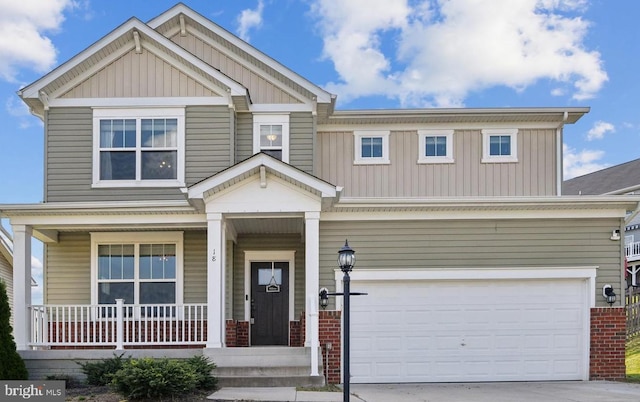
(295,330)
(608,335)
(330,332)
(237,333)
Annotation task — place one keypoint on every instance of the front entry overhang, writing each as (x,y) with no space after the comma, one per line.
(259,187)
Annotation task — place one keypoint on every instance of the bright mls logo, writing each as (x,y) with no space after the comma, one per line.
(45,391)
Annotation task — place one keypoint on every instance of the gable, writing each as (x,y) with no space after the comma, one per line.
(143,74)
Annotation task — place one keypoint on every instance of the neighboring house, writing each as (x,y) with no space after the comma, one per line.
(6,265)
(208,188)
(619,179)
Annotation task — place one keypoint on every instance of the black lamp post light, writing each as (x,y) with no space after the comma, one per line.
(346,261)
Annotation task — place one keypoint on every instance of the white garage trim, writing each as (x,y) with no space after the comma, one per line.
(584,274)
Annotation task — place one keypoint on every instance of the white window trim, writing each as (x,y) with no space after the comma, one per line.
(357,141)
(280,118)
(422,139)
(142,113)
(137,238)
(486,135)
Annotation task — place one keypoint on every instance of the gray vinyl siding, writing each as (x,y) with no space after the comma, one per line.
(208,146)
(244,136)
(301,137)
(69,155)
(68,272)
(267,243)
(476,244)
(533,175)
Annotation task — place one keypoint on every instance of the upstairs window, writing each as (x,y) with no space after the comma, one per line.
(138,147)
(371,147)
(499,145)
(435,146)
(271,135)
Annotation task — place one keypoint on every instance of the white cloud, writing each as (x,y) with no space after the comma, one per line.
(449,48)
(20,110)
(23,43)
(578,163)
(599,129)
(249,19)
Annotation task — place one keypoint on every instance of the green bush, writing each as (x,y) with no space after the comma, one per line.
(153,379)
(101,372)
(202,367)
(11,364)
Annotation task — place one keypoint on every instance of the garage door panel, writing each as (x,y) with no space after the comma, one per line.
(485,331)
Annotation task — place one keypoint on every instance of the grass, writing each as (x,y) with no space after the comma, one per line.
(632,359)
(324,388)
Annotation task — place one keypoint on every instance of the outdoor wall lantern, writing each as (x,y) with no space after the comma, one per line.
(346,261)
(608,294)
(615,235)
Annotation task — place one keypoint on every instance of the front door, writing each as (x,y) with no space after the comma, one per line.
(269,303)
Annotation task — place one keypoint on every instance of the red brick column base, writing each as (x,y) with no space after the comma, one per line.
(294,334)
(330,332)
(237,333)
(608,336)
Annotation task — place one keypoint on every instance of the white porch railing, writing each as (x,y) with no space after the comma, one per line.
(632,251)
(118,325)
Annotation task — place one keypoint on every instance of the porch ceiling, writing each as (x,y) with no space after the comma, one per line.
(268,225)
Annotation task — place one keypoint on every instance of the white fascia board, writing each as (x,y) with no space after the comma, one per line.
(280,107)
(421,126)
(322,95)
(112,221)
(197,191)
(33,89)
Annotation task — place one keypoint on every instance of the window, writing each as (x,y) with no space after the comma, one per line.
(371,147)
(141,268)
(435,146)
(138,147)
(499,145)
(271,135)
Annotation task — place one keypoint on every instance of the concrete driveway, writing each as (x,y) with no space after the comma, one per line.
(578,391)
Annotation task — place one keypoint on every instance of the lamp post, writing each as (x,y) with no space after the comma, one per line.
(346,261)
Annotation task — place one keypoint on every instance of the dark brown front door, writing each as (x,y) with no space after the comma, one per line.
(270,303)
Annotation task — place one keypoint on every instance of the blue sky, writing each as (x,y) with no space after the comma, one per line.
(372,54)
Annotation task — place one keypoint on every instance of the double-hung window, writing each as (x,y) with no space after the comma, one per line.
(435,146)
(271,135)
(138,148)
(371,147)
(141,268)
(499,145)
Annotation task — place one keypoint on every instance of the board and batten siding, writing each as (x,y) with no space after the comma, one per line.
(69,155)
(261,89)
(139,75)
(533,175)
(273,242)
(68,268)
(476,244)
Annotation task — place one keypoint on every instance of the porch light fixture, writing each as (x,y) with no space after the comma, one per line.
(346,258)
(615,235)
(324,298)
(608,294)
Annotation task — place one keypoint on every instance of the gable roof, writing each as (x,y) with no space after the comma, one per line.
(253,166)
(619,179)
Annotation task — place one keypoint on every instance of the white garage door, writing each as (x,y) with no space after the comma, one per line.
(476,330)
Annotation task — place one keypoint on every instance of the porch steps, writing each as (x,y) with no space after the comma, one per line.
(270,366)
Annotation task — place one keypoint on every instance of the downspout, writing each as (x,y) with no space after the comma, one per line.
(559,167)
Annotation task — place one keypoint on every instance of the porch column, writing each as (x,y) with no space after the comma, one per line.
(215,281)
(21,285)
(312,285)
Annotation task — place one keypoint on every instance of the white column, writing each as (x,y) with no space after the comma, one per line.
(312,285)
(215,281)
(22,285)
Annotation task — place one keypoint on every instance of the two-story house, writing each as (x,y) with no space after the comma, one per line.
(197,192)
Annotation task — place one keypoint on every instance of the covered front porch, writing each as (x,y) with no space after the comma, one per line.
(239,266)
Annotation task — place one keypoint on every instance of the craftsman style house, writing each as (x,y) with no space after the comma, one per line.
(197,192)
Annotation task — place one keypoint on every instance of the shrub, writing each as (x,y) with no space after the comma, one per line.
(12,366)
(153,379)
(101,372)
(202,367)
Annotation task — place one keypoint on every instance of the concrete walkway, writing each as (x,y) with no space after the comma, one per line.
(561,391)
